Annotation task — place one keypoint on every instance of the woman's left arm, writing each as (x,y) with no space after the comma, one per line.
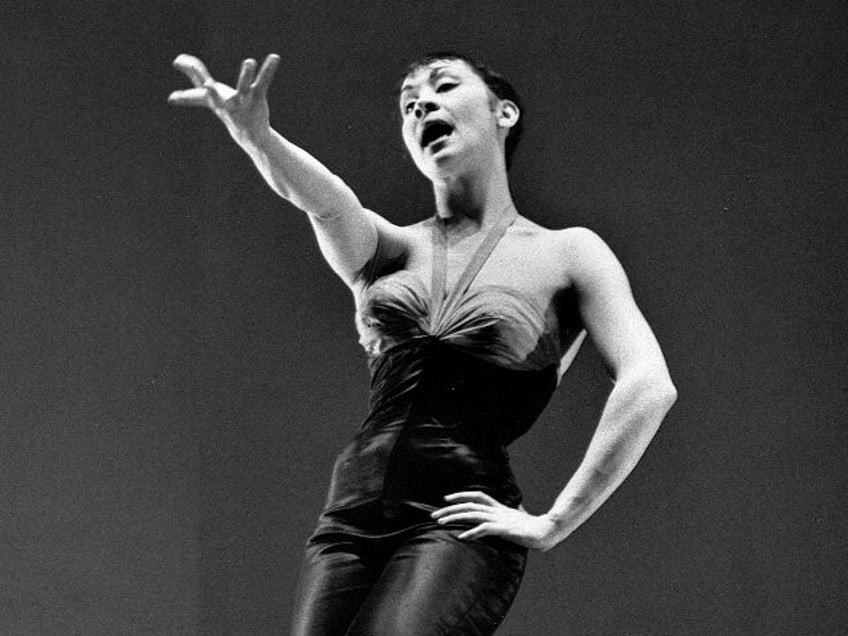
(642,395)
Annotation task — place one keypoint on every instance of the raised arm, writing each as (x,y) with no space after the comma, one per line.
(642,395)
(347,233)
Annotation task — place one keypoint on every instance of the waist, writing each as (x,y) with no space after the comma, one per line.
(433,381)
(412,463)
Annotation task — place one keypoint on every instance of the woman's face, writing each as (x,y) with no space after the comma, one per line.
(450,118)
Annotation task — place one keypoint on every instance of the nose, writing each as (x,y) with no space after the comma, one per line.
(424,106)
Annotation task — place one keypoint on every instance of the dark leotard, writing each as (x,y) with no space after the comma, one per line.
(455,377)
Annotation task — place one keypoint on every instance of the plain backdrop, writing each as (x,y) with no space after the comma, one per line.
(179,368)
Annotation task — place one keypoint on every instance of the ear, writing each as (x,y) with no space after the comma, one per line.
(508,114)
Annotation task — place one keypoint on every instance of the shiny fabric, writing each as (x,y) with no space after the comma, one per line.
(455,377)
(439,422)
(489,321)
(422,581)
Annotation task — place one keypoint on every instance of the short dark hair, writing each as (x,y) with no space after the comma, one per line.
(499,86)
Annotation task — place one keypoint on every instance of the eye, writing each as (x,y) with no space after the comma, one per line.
(445,86)
(408,106)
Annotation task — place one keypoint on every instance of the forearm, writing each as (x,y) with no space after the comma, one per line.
(297,176)
(633,413)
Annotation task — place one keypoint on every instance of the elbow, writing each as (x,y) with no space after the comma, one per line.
(647,390)
(657,390)
(664,393)
(669,397)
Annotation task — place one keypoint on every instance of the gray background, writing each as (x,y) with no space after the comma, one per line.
(179,367)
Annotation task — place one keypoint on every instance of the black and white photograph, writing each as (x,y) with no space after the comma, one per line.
(450,318)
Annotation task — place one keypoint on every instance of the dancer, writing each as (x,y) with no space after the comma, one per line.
(469,318)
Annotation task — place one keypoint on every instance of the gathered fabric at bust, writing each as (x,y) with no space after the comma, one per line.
(455,377)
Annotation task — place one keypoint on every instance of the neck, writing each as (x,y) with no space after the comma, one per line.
(480,198)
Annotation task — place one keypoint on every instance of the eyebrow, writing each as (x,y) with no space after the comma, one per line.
(435,74)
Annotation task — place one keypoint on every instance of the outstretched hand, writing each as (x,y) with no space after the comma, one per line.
(491,518)
(243,109)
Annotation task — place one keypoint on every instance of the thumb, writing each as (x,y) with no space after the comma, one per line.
(189,97)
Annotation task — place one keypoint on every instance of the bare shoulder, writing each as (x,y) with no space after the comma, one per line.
(582,248)
(540,237)
(590,262)
(580,241)
(580,238)
(551,254)
(581,256)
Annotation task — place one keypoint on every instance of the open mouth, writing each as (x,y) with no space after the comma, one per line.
(435,130)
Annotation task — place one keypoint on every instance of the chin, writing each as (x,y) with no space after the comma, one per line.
(443,166)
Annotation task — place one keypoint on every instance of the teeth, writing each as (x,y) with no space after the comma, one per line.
(437,139)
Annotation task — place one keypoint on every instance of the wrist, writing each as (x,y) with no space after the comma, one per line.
(557,523)
(553,533)
(257,139)
(564,522)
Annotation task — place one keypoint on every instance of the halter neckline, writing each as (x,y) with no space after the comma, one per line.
(442,303)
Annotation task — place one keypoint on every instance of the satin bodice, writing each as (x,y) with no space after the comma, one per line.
(492,322)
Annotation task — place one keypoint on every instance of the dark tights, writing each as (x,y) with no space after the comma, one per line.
(420,582)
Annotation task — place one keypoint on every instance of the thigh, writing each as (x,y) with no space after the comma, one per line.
(435,584)
(335,578)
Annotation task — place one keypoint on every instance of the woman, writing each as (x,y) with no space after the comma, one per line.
(469,319)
